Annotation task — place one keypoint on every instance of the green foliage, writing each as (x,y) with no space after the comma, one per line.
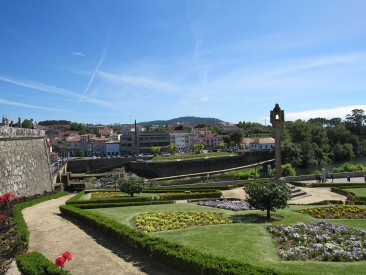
(132,185)
(119,204)
(250,173)
(348,167)
(288,170)
(268,196)
(36,264)
(343,152)
(198,147)
(188,260)
(27,123)
(80,153)
(54,122)
(155,150)
(171,148)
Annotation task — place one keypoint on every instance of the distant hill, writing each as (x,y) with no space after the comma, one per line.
(188,120)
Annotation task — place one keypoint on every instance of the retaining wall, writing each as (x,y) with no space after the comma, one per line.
(24,163)
(191,166)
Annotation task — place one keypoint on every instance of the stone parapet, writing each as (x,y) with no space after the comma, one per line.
(20,133)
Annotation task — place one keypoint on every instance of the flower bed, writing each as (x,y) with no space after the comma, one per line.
(319,240)
(336,212)
(160,221)
(234,205)
(105,194)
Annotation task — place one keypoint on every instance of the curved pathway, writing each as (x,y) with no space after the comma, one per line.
(316,195)
(51,234)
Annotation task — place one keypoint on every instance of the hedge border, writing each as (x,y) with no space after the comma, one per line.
(20,226)
(37,263)
(189,260)
(110,205)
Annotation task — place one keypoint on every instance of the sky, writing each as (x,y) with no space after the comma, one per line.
(114,61)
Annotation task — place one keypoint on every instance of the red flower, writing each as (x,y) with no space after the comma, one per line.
(2,217)
(61,259)
(67,255)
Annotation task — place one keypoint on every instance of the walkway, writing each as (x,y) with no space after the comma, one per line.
(316,195)
(51,234)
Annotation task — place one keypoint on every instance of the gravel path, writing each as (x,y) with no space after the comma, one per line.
(316,195)
(51,234)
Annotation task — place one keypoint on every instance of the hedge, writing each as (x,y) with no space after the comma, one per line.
(196,195)
(110,200)
(35,263)
(21,232)
(119,204)
(189,260)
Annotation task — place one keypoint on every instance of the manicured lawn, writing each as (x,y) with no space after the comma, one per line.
(359,192)
(247,239)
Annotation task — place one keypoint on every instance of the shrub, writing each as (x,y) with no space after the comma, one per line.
(36,264)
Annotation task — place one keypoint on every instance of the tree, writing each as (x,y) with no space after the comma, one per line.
(171,148)
(155,150)
(268,196)
(27,123)
(222,145)
(131,185)
(356,120)
(80,153)
(236,137)
(198,147)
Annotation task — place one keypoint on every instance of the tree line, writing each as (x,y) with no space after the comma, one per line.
(319,140)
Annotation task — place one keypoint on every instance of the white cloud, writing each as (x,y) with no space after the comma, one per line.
(78,54)
(204,99)
(19,104)
(328,113)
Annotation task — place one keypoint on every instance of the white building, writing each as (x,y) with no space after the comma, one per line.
(262,144)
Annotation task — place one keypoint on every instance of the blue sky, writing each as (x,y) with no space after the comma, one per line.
(116,61)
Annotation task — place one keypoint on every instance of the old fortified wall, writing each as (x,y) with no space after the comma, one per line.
(24,164)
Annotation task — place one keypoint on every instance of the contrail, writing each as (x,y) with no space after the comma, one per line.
(94,74)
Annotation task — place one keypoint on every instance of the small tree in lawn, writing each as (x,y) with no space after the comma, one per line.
(155,150)
(171,148)
(268,196)
(198,147)
(131,185)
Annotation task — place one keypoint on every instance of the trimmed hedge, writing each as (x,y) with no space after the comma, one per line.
(35,263)
(20,229)
(118,204)
(196,195)
(325,202)
(189,260)
(110,200)
(182,189)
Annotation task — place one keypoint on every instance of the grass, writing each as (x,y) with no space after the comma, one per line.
(246,240)
(359,192)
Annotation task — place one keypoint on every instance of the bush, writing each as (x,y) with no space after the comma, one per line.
(119,204)
(348,167)
(35,263)
(246,174)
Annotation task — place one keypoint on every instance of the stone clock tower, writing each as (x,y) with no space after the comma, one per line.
(277,120)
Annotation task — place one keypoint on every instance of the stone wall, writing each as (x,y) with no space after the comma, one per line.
(183,167)
(24,164)
(102,165)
